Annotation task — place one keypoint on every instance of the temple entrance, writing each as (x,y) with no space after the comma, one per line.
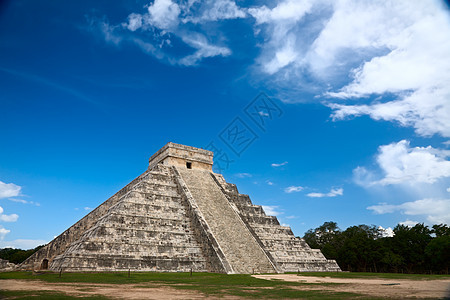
(44,264)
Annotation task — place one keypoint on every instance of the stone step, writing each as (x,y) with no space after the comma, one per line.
(135,247)
(122,216)
(147,208)
(182,230)
(266,220)
(143,234)
(113,263)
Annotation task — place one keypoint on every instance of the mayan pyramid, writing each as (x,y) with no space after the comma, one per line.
(179,216)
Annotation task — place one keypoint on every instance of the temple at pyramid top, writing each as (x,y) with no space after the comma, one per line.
(182,156)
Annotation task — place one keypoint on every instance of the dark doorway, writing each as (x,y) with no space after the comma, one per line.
(44,265)
(189,165)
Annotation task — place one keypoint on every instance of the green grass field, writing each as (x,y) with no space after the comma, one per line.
(375,275)
(207,283)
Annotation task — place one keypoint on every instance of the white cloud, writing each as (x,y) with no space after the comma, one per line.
(284,45)
(409,223)
(21,243)
(435,211)
(396,51)
(448,189)
(358,49)
(386,232)
(204,49)
(283,56)
(290,11)
(24,201)
(332,193)
(154,30)
(401,163)
(414,66)
(292,189)
(9,190)
(3,233)
(269,182)
(134,22)
(243,175)
(7,218)
(163,14)
(214,10)
(271,210)
(279,165)
(87,208)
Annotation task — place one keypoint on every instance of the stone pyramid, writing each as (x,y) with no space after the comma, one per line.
(179,216)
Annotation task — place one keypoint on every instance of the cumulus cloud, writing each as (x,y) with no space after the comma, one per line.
(163,14)
(386,232)
(213,10)
(413,62)
(9,190)
(7,218)
(435,211)
(293,188)
(289,11)
(396,49)
(409,223)
(275,165)
(401,163)
(389,59)
(332,193)
(3,233)
(271,210)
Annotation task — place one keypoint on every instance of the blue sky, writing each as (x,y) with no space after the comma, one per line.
(353,96)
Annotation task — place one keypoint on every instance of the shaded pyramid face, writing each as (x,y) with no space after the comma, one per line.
(179,216)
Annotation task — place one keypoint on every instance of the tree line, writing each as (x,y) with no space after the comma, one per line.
(363,248)
(17,256)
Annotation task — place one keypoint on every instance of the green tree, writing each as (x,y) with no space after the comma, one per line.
(319,237)
(410,243)
(438,253)
(359,250)
(17,256)
(441,230)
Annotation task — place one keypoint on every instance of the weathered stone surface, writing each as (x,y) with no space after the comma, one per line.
(6,266)
(179,216)
(237,243)
(287,252)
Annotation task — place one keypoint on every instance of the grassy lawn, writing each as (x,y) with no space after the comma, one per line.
(208,283)
(374,275)
(44,295)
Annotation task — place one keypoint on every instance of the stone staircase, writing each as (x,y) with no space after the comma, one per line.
(238,245)
(287,252)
